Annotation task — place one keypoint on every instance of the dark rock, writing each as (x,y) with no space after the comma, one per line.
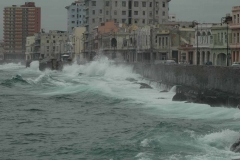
(161,98)
(180,97)
(145,86)
(164,91)
(131,80)
(236,147)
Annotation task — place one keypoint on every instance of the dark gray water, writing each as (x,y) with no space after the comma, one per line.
(98,115)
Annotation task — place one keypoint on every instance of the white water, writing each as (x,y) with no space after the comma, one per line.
(103,77)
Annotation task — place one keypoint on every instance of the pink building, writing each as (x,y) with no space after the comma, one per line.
(235,27)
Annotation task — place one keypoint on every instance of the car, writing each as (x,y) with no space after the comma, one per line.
(236,64)
(209,63)
(170,62)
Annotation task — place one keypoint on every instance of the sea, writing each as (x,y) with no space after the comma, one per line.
(97,111)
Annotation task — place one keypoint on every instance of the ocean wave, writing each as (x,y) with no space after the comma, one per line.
(14,80)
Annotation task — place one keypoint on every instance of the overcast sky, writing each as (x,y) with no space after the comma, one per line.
(54,14)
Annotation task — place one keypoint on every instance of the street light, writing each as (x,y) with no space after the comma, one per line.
(195,22)
(226,20)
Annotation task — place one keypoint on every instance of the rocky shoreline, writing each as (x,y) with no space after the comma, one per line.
(212,97)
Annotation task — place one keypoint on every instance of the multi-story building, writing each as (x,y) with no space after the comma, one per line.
(30,44)
(19,23)
(203,36)
(78,43)
(53,44)
(235,27)
(129,12)
(126,11)
(76,15)
(172,18)
(1,50)
(219,44)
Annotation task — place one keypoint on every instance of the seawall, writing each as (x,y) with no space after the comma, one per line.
(214,85)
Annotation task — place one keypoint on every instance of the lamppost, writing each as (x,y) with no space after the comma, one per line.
(226,20)
(195,22)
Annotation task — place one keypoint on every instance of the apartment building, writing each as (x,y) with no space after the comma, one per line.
(53,44)
(126,11)
(19,23)
(76,15)
(235,27)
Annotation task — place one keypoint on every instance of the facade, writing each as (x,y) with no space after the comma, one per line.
(76,15)
(203,38)
(78,43)
(172,18)
(30,44)
(1,50)
(53,44)
(219,42)
(19,23)
(126,11)
(235,27)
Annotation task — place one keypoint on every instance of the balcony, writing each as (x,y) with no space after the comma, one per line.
(235,45)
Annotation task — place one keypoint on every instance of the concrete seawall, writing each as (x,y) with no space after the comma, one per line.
(195,79)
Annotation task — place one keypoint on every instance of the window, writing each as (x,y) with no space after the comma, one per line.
(73,21)
(150,4)
(100,11)
(237,37)
(93,20)
(93,12)
(143,21)
(238,18)
(144,4)
(47,41)
(115,12)
(107,12)
(136,21)
(124,12)
(144,13)
(135,3)
(135,12)
(107,3)
(124,3)
(100,19)
(163,4)
(150,13)
(234,19)
(166,41)
(93,3)
(163,13)
(156,12)
(123,20)
(116,3)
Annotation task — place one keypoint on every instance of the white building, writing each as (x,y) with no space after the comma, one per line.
(76,15)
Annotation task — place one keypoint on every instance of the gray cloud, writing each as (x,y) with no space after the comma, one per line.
(54,14)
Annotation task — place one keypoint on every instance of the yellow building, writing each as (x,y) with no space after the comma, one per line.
(78,43)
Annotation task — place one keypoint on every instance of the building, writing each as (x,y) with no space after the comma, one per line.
(219,44)
(126,11)
(1,50)
(76,15)
(172,18)
(78,43)
(30,45)
(19,23)
(54,44)
(129,12)
(203,36)
(235,27)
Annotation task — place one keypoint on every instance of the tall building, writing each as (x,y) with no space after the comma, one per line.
(19,23)
(235,27)
(126,11)
(76,15)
